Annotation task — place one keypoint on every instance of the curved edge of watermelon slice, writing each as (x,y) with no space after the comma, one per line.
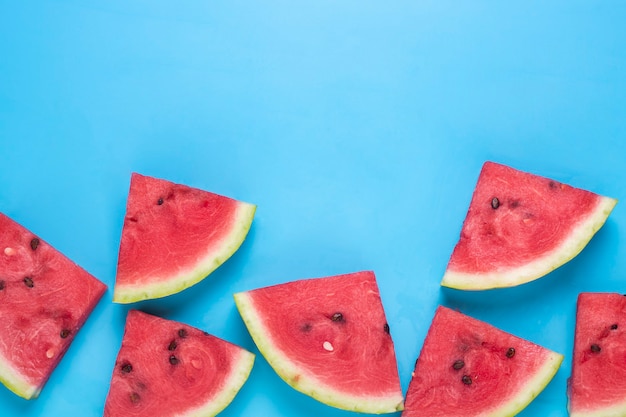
(231,387)
(15,382)
(533,387)
(298,378)
(567,250)
(214,257)
(616,410)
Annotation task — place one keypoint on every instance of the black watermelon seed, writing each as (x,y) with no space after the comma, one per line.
(172,345)
(34,243)
(2,284)
(174,360)
(306,327)
(64,333)
(206,333)
(337,317)
(458,364)
(134,397)
(495,203)
(28,281)
(510,352)
(614,326)
(182,333)
(467,380)
(595,348)
(386,328)
(127,368)
(160,201)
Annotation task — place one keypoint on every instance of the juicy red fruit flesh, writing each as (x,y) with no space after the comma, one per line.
(44,300)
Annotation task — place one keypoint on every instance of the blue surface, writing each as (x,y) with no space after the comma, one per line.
(358,128)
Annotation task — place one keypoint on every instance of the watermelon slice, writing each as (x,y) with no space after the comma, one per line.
(597,387)
(165,368)
(44,300)
(327,338)
(468,368)
(174,236)
(521,226)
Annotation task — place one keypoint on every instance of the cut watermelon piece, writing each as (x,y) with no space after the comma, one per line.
(45,299)
(169,369)
(521,226)
(468,368)
(174,236)
(327,338)
(597,387)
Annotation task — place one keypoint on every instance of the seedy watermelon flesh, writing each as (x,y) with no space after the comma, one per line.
(468,368)
(597,386)
(44,300)
(521,226)
(174,236)
(327,338)
(169,369)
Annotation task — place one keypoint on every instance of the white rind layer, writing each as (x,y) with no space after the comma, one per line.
(16,382)
(300,379)
(572,246)
(241,371)
(214,257)
(614,410)
(530,390)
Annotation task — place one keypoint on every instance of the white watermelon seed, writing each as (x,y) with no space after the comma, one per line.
(50,353)
(9,251)
(328,346)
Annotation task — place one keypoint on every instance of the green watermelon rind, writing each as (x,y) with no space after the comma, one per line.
(242,367)
(566,251)
(300,380)
(16,382)
(531,390)
(215,257)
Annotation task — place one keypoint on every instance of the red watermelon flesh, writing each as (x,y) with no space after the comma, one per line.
(174,236)
(44,300)
(165,368)
(597,386)
(327,338)
(519,227)
(469,368)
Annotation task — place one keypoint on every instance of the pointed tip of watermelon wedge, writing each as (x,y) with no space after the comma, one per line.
(231,386)
(533,387)
(569,248)
(16,383)
(300,379)
(214,257)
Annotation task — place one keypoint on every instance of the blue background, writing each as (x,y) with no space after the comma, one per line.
(357,127)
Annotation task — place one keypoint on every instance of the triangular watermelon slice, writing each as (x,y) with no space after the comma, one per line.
(468,368)
(166,368)
(521,226)
(327,338)
(597,387)
(174,236)
(45,299)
